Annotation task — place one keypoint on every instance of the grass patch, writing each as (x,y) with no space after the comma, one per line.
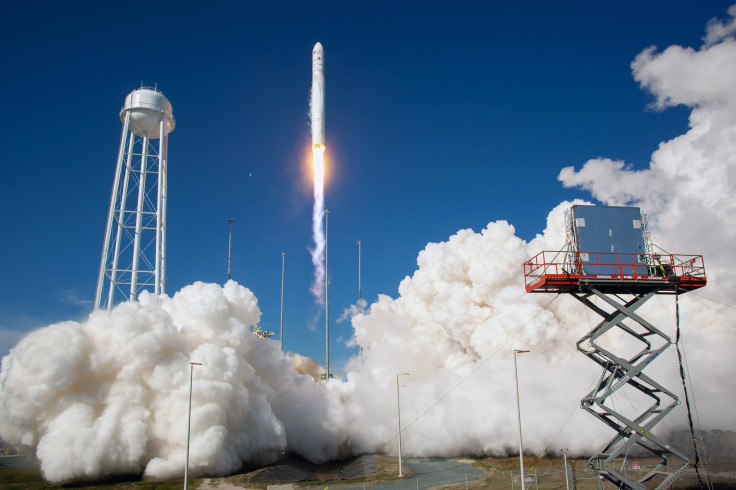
(31,479)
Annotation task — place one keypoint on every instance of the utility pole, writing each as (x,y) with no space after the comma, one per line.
(360,292)
(229,247)
(283,262)
(567,481)
(518,413)
(327,301)
(189,419)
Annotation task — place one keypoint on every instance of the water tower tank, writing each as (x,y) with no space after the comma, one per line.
(148,107)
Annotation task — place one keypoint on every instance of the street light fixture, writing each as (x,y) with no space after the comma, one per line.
(398,406)
(518,414)
(189,419)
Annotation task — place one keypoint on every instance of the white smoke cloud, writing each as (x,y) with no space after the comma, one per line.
(465,308)
(110,395)
(689,185)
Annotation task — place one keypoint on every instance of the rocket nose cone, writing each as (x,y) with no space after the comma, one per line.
(317,52)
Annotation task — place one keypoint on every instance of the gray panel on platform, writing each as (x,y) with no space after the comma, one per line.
(604,231)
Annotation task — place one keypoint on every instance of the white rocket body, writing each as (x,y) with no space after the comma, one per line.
(317,104)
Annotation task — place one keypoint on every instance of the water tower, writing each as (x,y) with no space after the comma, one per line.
(134,251)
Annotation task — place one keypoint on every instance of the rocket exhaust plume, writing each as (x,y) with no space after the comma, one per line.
(317,113)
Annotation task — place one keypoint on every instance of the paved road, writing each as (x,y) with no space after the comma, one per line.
(428,473)
(15,461)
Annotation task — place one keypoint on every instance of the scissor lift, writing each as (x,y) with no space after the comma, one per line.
(624,282)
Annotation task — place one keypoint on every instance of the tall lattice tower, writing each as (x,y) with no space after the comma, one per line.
(134,251)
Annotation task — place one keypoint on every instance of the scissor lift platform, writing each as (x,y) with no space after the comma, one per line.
(615,273)
(611,277)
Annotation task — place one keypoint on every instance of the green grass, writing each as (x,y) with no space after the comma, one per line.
(30,478)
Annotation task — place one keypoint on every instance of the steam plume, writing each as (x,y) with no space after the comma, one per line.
(318,232)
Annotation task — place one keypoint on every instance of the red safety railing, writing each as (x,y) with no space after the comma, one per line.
(555,271)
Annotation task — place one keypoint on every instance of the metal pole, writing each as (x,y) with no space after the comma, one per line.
(518,413)
(229,247)
(567,481)
(360,296)
(574,478)
(111,215)
(139,220)
(283,262)
(398,408)
(159,205)
(327,301)
(121,225)
(189,419)
(164,194)
(360,292)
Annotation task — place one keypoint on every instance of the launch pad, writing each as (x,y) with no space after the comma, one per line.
(608,257)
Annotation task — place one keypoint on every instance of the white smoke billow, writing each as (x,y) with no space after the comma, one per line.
(109,395)
(318,226)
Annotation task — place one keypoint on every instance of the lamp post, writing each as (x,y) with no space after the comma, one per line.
(518,414)
(398,407)
(229,247)
(360,291)
(567,481)
(281,336)
(189,420)
(327,297)
(360,296)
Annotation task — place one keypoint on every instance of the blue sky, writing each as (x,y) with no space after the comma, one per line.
(439,117)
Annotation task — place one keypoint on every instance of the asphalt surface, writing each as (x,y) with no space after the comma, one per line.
(15,461)
(428,473)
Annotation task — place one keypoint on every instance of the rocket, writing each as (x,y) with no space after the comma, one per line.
(317,103)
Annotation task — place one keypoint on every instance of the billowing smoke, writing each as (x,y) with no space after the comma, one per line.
(688,188)
(109,395)
(459,316)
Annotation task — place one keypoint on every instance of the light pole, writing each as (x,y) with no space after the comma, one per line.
(327,300)
(360,292)
(518,413)
(398,406)
(283,262)
(360,296)
(229,247)
(567,481)
(189,420)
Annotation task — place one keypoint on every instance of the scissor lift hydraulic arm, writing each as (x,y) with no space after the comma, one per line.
(563,272)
